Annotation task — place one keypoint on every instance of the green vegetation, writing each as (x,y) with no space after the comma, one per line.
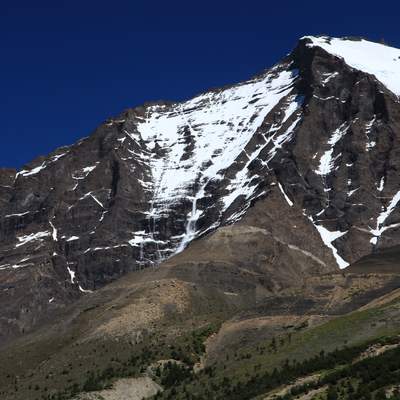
(345,379)
(238,367)
(363,380)
(173,374)
(184,353)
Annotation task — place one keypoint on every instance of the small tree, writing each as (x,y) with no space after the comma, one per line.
(332,393)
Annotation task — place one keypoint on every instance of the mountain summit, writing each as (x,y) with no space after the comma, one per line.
(373,58)
(302,158)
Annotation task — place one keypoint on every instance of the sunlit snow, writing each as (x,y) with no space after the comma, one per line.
(328,237)
(327,160)
(383,216)
(285,195)
(33,236)
(218,126)
(373,58)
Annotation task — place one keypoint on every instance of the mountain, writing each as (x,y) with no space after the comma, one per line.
(237,210)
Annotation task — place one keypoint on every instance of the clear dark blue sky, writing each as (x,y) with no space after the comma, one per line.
(68,65)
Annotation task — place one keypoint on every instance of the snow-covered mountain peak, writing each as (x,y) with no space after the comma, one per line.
(306,153)
(370,57)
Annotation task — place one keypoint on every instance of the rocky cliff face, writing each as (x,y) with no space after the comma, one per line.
(306,153)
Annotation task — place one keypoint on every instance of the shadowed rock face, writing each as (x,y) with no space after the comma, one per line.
(303,158)
(384,261)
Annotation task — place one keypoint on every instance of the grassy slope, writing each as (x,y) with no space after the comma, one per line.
(356,329)
(70,356)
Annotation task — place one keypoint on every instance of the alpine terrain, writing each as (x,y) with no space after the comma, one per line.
(243,244)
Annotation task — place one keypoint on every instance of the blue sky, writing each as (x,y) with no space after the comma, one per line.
(68,65)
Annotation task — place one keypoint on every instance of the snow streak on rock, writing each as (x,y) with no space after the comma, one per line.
(328,238)
(41,167)
(38,236)
(383,216)
(327,160)
(191,144)
(285,195)
(175,171)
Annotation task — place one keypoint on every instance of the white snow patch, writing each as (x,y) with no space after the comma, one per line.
(219,125)
(54,231)
(97,201)
(171,175)
(36,170)
(328,238)
(33,236)
(241,184)
(33,171)
(370,145)
(327,161)
(101,248)
(138,238)
(328,77)
(89,169)
(383,216)
(351,192)
(381,184)
(89,194)
(17,215)
(84,172)
(20,264)
(373,58)
(58,156)
(325,98)
(280,140)
(285,195)
(102,215)
(368,126)
(191,223)
(84,290)
(71,274)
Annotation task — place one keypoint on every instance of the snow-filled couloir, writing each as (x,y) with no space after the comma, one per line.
(207,141)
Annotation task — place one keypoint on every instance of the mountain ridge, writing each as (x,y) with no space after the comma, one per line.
(195,250)
(88,213)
